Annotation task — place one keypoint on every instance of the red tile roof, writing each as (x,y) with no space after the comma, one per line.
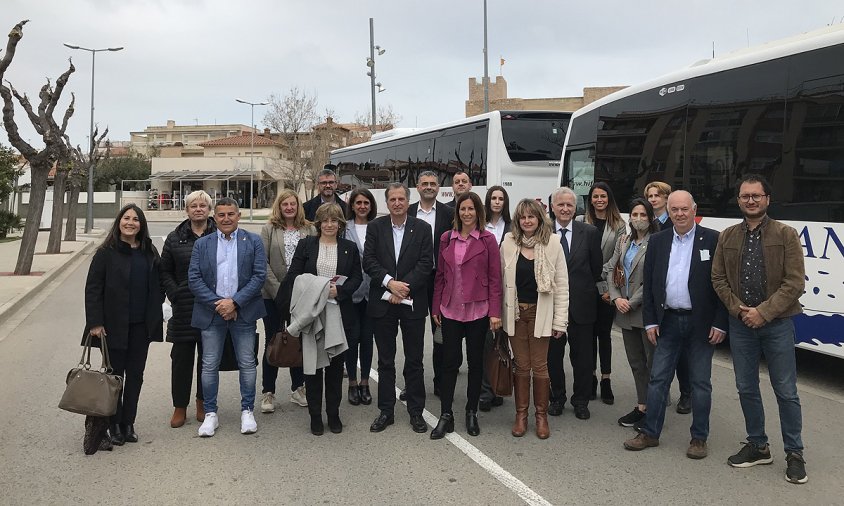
(241,140)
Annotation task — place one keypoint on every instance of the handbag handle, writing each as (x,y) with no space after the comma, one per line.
(85,360)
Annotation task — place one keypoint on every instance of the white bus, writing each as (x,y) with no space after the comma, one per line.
(519,150)
(777,110)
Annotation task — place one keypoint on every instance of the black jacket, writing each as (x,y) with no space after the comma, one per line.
(415,261)
(175,259)
(310,207)
(584,264)
(107,295)
(305,261)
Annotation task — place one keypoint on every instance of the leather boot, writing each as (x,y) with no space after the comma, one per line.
(200,410)
(521,392)
(541,393)
(179,416)
(116,435)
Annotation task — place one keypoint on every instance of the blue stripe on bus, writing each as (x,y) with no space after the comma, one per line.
(820,328)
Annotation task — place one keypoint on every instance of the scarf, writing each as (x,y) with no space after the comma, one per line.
(541,267)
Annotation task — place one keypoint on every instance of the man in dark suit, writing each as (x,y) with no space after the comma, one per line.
(681,313)
(398,257)
(441,218)
(582,246)
(327,186)
(657,194)
(226,273)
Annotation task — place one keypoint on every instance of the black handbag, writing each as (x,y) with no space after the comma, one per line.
(89,391)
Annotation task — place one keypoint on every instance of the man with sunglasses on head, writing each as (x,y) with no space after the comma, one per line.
(327,188)
(759,275)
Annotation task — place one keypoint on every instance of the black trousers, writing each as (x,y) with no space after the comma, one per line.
(602,344)
(580,341)
(359,337)
(486,388)
(130,364)
(413,336)
(453,333)
(332,376)
(181,372)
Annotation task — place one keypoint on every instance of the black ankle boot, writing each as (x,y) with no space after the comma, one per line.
(334,424)
(129,434)
(116,435)
(365,394)
(606,391)
(354,395)
(444,426)
(472,426)
(317,428)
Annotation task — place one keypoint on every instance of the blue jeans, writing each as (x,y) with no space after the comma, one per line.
(776,341)
(676,334)
(243,339)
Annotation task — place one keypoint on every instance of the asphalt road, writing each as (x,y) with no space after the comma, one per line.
(582,463)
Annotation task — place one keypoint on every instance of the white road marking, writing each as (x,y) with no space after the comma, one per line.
(489,465)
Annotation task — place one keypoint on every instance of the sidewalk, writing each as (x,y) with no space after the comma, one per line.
(17,290)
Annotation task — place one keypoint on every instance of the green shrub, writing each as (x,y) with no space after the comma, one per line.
(9,222)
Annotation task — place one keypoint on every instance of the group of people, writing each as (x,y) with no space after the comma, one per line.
(341,277)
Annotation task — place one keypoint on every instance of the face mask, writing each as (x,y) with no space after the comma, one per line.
(640,225)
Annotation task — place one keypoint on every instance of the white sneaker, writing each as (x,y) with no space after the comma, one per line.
(298,397)
(248,425)
(267,402)
(209,425)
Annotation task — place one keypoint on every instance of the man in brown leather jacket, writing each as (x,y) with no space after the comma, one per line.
(758,274)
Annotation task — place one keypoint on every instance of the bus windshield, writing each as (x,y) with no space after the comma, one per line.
(533,136)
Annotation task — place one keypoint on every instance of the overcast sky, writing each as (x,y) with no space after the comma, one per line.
(187,60)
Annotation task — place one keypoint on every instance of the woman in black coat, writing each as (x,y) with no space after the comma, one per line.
(123,304)
(175,259)
(327,255)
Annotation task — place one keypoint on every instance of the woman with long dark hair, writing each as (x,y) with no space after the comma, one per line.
(123,300)
(466,303)
(497,210)
(624,273)
(361,210)
(602,211)
(536,301)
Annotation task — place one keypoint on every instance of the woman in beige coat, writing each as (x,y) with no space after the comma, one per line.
(535,309)
(283,231)
(626,295)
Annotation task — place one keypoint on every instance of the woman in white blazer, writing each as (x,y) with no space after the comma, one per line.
(535,309)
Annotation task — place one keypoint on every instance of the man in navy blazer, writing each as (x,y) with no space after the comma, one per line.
(226,273)
(681,313)
(398,256)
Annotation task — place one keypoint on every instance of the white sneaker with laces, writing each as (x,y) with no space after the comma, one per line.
(298,397)
(209,426)
(267,402)
(248,425)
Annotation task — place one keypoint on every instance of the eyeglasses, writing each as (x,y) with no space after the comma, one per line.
(327,183)
(755,197)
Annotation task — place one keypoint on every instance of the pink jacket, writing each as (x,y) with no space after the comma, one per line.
(481,273)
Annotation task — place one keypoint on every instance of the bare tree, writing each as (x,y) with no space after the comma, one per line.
(77,178)
(294,116)
(385,118)
(42,161)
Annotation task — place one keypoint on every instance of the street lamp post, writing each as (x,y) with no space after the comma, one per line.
(89,218)
(251,151)
(370,62)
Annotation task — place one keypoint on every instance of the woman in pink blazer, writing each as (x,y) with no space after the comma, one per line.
(466,303)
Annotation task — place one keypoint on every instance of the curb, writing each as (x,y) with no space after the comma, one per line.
(13,306)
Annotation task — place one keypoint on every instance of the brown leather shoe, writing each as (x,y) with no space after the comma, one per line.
(521,392)
(200,410)
(640,442)
(541,393)
(179,416)
(697,449)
